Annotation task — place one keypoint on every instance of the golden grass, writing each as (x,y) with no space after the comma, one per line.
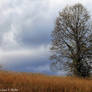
(28,82)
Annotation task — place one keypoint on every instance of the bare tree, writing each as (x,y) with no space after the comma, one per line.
(72,41)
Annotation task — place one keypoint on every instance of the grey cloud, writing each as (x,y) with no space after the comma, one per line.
(29,19)
(27,25)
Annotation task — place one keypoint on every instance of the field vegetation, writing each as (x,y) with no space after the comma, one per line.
(29,82)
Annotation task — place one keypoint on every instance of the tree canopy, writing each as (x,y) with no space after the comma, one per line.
(72,41)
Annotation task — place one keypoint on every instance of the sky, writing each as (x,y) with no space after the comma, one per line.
(25,33)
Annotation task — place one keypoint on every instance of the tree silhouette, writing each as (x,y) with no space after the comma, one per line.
(72,41)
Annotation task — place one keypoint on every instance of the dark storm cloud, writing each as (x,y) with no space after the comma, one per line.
(40,35)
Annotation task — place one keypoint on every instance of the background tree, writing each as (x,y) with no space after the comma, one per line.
(72,41)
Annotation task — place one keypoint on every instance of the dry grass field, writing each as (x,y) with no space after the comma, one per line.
(28,82)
